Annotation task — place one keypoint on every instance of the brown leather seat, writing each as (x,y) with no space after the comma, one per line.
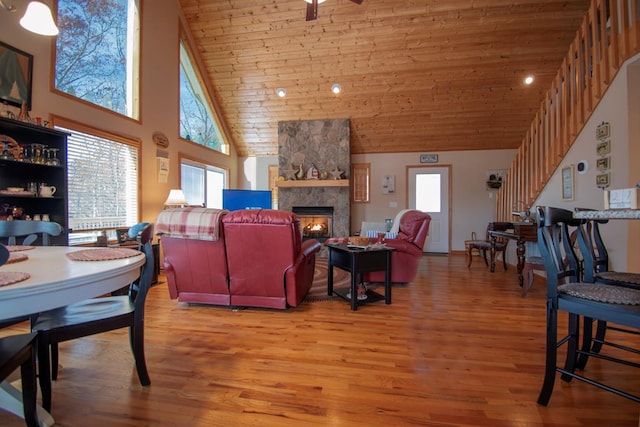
(485,245)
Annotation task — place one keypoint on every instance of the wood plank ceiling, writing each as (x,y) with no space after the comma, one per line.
(417,75)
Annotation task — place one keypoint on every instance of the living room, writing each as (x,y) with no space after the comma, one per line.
(473,206)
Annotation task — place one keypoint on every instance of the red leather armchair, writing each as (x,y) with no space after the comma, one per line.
(195,260)
(269,265)
(414,227)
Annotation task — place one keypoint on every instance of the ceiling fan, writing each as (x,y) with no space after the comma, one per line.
(312,8)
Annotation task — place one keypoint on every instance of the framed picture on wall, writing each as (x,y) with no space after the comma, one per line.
(603,163)
(568,187)
(16,70)
(603,148)
(602,180)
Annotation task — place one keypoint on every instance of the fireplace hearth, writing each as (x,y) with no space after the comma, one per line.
(316,221)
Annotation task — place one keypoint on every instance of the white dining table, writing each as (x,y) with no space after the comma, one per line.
(55,281)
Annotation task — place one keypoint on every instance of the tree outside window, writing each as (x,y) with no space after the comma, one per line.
(97,53)
(197,122)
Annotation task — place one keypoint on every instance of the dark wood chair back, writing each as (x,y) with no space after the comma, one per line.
(10,231)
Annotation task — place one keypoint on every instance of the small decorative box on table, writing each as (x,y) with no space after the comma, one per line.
(358,260)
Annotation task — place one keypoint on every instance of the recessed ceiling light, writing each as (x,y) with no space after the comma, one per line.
(528,80)
(281,92)
(336,88)
(319,1)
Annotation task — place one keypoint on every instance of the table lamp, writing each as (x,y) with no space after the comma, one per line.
(176,199)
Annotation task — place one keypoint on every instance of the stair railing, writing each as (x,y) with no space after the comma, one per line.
(608,36)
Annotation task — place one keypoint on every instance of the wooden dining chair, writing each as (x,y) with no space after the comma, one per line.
(95,316)
(19,351)
(484,245)
(595,262)
(566,293)
(31,232)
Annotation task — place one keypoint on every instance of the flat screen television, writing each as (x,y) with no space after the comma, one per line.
(234,200)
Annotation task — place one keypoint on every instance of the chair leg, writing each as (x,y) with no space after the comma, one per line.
(504,260)
(469,256)
(527,273)
(587,339)
(54,361)
(572,346)
(551,356)
(44,372)
(484,255)
(601,329)
(136,339)
(30,390)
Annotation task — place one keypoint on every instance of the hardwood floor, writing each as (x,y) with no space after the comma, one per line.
(458,347)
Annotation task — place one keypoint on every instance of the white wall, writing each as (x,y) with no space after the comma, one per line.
(159,94)
(472,206)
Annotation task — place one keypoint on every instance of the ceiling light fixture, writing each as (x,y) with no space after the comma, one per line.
(37,18)
(281,92)
(528,80)
(319,1)
(336,88)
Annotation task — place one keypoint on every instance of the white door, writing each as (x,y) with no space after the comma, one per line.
(429,192)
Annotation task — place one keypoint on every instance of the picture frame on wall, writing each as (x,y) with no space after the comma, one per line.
(602,180)
(603,131)
(568,185)
(428,158)
(603,148)
(16,75)
(603,163)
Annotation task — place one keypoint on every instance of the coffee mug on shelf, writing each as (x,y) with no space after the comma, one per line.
(47,190)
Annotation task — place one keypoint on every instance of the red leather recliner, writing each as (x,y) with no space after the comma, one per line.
(269,265)
(414,227)
(195,259)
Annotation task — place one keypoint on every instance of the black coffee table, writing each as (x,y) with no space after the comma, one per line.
(358,261)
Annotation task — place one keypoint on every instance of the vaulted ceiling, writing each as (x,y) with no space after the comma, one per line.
(416,75)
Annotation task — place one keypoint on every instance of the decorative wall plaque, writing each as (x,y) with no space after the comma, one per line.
(160,139)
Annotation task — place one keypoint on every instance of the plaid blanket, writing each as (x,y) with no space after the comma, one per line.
(190,223)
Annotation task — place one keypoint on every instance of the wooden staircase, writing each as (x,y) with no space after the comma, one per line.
(608,36)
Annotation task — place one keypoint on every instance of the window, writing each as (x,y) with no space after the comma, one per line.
(360,173)
(202,184)
(197,122)
(96,55)
(102,171)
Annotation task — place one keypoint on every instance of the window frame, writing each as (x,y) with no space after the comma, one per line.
(360,182)
(193,162)
(136,143)
(184,40)
(134,84)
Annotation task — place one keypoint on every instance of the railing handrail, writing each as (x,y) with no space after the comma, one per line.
(608,36)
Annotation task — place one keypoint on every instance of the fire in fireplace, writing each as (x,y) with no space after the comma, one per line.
(316,221)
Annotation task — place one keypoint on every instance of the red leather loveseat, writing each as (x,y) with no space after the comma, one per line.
(253,258)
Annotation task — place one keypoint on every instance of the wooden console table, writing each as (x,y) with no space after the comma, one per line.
(522,232)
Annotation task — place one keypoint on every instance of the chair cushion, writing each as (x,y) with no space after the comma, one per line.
(484,244)
(616,276)
(602,293)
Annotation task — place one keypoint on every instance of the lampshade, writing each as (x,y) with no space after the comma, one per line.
(38,19)
(176,198)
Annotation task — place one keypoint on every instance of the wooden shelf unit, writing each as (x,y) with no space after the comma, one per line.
(313,183)
(17,173)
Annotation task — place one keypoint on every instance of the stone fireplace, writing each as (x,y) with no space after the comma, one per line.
(325,145)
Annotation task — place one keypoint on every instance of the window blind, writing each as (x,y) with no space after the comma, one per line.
(103,182)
